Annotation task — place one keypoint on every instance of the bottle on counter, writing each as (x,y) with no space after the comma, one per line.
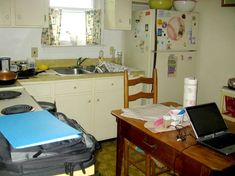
(119,58)
(31,63)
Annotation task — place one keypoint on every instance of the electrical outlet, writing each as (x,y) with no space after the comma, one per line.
(34,52)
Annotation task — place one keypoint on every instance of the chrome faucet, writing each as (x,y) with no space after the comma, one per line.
(80,60)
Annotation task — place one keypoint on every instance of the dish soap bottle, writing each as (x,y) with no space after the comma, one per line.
(31,63)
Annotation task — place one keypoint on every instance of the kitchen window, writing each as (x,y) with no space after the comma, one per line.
(73,23)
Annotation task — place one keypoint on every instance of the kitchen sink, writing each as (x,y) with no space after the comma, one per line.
(75,70)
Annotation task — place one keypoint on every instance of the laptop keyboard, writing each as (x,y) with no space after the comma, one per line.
(221,141)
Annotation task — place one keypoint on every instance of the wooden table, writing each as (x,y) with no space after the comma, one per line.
(184,157)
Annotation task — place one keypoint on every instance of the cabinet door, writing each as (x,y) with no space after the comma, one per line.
(108,96)
(78,107)
(105,126)
(74,99)
(5,12)
(30,13)
(117,14)
(123,14)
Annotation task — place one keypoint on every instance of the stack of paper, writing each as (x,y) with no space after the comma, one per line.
(35,128)
(147,112)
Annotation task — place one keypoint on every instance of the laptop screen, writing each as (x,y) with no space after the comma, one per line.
(206,119)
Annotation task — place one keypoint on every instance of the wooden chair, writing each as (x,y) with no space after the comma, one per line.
(149,163)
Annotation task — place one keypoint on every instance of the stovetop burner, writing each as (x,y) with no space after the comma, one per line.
(9,94)
(21,108)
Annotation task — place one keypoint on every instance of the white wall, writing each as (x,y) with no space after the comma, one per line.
(17,43)
(216,56)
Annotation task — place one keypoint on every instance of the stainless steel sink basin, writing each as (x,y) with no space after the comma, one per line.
(75,70)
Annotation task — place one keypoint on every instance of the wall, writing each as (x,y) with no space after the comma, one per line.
(216,56)
(17,43)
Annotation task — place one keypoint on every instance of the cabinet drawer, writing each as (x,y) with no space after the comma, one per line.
(109,83)
(44,90)
(67,87)
(149,144)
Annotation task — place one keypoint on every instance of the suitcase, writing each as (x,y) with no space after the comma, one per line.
(49,159)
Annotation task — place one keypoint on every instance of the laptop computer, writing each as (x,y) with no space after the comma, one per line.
(210,128)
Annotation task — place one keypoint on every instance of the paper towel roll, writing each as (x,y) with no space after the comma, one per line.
(190,91)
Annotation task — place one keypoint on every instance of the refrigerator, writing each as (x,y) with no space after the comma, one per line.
(166,40)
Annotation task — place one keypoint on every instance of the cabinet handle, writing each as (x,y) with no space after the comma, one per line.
(98,99)
(112,84)
(153,146)
(89,101)
(75,87)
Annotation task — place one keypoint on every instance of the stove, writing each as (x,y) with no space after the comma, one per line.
(16,100)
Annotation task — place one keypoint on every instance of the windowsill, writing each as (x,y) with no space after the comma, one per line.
(71,46)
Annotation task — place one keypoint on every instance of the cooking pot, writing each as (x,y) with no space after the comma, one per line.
(7,77)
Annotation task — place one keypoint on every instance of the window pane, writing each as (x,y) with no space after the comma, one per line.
(88,4)
(73,27)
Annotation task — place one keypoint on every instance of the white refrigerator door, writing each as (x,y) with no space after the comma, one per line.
(172,68)
(139,42)
(176,31)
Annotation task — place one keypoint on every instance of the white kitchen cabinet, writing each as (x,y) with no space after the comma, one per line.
(41,91)
(108,96)
(5,12)
(24,13)
(89,101)
(74,99)
(117,14)
(140,1)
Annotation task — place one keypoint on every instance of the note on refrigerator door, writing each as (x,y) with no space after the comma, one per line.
(172,65)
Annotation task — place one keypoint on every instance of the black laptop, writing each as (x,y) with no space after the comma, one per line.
(210,128)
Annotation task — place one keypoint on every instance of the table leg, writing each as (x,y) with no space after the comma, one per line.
(120,143)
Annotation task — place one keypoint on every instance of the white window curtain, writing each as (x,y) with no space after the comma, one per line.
(50,35)
(93,27)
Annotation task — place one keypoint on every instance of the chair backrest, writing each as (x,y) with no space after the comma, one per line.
(140,80)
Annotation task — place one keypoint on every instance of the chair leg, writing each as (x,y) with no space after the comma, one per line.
(153,168)
(126,157)
(148,165)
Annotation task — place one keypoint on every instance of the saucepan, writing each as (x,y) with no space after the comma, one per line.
(28,73)
(7,77)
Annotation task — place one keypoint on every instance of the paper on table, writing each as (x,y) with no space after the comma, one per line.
(151,127)
(146,112)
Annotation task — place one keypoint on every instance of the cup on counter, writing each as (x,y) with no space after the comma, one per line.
(166,121)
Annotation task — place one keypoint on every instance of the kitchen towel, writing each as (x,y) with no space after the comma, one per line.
(190,91)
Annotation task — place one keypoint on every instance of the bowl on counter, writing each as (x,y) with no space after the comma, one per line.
(184,5)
